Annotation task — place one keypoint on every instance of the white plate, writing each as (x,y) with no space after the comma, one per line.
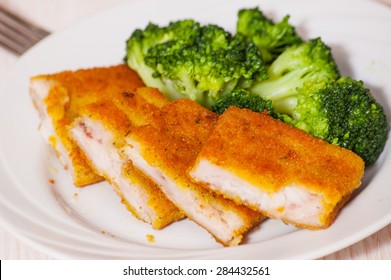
(68,222)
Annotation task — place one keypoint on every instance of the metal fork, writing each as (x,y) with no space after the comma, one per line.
(17,34)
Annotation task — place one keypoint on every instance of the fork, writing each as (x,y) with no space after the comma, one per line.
(17,35)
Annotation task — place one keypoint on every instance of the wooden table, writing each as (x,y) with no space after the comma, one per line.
(45,13)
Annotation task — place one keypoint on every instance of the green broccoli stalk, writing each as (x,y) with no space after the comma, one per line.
(202,63)
(271,38)
(310,62)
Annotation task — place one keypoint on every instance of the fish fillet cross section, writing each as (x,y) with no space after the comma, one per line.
(100,132)
(58,97)
(281,171)
(166,147)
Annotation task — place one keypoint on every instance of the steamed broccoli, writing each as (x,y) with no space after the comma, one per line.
(138,45)
(185,59)
(310,62)
(343,113)
(271,38)
(243,99)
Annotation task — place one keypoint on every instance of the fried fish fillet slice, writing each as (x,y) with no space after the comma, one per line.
(100,132)
(58,98)
(165,149)
(281,171)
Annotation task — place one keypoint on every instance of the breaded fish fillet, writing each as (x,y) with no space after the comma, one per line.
(281,171)
(58,98)
(100,132)
(165,149)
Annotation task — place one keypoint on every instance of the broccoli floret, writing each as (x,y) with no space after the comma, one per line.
(202,63)
(139,43)
(344,113)
(271,38)
(310,62)
(243,99)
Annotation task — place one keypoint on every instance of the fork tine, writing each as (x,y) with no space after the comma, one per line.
(12,45)
(16,34)
(22,25)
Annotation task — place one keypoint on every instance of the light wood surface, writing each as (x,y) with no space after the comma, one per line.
(57,14)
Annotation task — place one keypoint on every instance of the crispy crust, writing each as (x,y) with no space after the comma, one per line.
(119,116)
(69,91)
(171,143)
(271,155)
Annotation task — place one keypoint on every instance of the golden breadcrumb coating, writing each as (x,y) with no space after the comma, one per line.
(119,116)
(69,91)
(171,143)
(271,155)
